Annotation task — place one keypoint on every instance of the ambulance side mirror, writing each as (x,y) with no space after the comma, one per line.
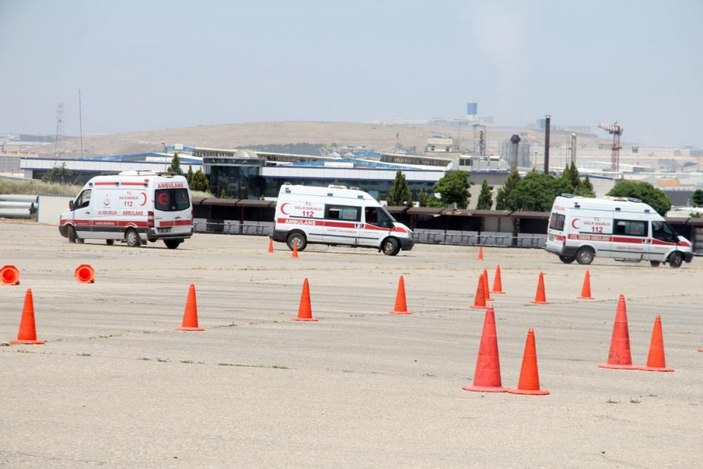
(70,205)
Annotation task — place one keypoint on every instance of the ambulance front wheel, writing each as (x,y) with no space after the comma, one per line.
(296,239)
(71,234)
(675,259)
(585,255)
(390,247)
(132,238)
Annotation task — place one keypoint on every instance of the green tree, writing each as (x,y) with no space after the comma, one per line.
(454,188)
(647,193)
(506,189)
(697,198)
(175,165)
(59,174)
(428,200)
(198,181)
(537,191)
(399,193)
(189,176)
(485,199)
(585,189)
(573,184)
(571,176)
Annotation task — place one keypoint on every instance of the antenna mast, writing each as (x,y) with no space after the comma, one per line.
(80,119)
(58,142)
(616,130)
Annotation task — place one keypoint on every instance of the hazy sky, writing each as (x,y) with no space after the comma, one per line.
(149,64)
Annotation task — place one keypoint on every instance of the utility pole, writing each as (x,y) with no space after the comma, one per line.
(547,120)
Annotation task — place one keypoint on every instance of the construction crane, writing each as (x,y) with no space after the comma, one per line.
(615,130)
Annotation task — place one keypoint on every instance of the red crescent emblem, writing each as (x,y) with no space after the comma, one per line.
(143,196)
(283,209)
(573,223)
(163,199)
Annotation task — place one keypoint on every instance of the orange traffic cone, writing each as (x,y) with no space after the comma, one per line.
(540,296)
(529,373)
(9,275)
(305,310)
(270,245)
(486,290)
(497,283)
(487,372)
(28,332)
(619,356)
(586,289)
(85,274)
(656,360)
(401,306)
(480,298)
(480,253)
(190,315)
(295,250)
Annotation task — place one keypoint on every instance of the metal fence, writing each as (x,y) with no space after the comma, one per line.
(459,238)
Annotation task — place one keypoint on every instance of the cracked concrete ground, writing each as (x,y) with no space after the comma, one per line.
(116,385)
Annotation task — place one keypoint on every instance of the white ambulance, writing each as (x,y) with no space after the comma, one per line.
(336,215)
(133,207)
(624,229)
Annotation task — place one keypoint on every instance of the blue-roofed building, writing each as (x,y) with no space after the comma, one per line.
(249,174)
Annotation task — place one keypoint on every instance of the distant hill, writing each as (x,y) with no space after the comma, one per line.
(377,136)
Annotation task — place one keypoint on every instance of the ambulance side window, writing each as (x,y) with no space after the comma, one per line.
(630,228)
(662,230)
(340,212)
(556,221)
(83,200)
(378,217)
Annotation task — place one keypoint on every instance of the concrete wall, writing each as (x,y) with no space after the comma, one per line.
(50,208)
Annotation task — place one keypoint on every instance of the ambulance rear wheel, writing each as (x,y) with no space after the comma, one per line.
(567,259)
(675,259)
(390,247)
(296,239)
(172,243)
(132,238)
(585,255)
(71,234)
